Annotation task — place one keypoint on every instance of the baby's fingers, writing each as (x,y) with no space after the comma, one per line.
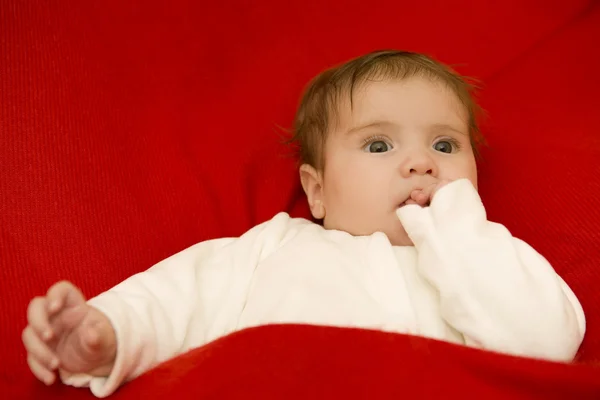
(95,335)
(37,317)
(91,339)
(420,197)
(63,294)
(40,372)
(39,350)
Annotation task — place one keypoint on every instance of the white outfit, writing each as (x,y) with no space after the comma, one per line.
(466,280)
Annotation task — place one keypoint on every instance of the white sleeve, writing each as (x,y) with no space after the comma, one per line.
(182,302)
(496,290)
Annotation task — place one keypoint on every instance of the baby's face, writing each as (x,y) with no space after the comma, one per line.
(398,137)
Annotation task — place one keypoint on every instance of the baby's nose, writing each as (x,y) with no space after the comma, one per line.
(421,169)
(418,164)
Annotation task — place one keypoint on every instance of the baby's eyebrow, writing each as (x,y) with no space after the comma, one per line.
(372,124)
(437,127)
(446,127)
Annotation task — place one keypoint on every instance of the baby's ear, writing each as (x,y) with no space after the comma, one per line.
(312,183)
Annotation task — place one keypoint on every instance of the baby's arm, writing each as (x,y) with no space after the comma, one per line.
(496,290)
(64,332)
(180,303)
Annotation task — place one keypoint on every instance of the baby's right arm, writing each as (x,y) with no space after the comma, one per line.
(183,302)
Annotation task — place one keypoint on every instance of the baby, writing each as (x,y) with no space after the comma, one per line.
(388,146)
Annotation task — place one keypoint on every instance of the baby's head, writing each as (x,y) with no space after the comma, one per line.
(376,128)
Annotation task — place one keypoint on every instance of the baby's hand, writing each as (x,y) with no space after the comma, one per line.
(423,197)
(64,332)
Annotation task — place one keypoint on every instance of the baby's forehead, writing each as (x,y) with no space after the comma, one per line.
(364,99)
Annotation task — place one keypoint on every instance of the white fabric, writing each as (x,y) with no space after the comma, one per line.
(466,280)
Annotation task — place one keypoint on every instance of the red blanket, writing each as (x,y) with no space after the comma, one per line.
(302,362)
(130,130)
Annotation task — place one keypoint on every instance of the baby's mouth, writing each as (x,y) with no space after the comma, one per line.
(410,201)
(405,202)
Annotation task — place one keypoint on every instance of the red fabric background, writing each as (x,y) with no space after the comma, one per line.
(130,130)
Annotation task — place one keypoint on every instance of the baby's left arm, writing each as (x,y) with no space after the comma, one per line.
(496,290)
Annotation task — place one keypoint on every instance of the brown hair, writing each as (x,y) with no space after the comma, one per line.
(320,102)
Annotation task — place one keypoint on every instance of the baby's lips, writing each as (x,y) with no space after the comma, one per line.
(406,202)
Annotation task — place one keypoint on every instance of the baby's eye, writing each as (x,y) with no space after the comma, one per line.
(378,146)
(444,146)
